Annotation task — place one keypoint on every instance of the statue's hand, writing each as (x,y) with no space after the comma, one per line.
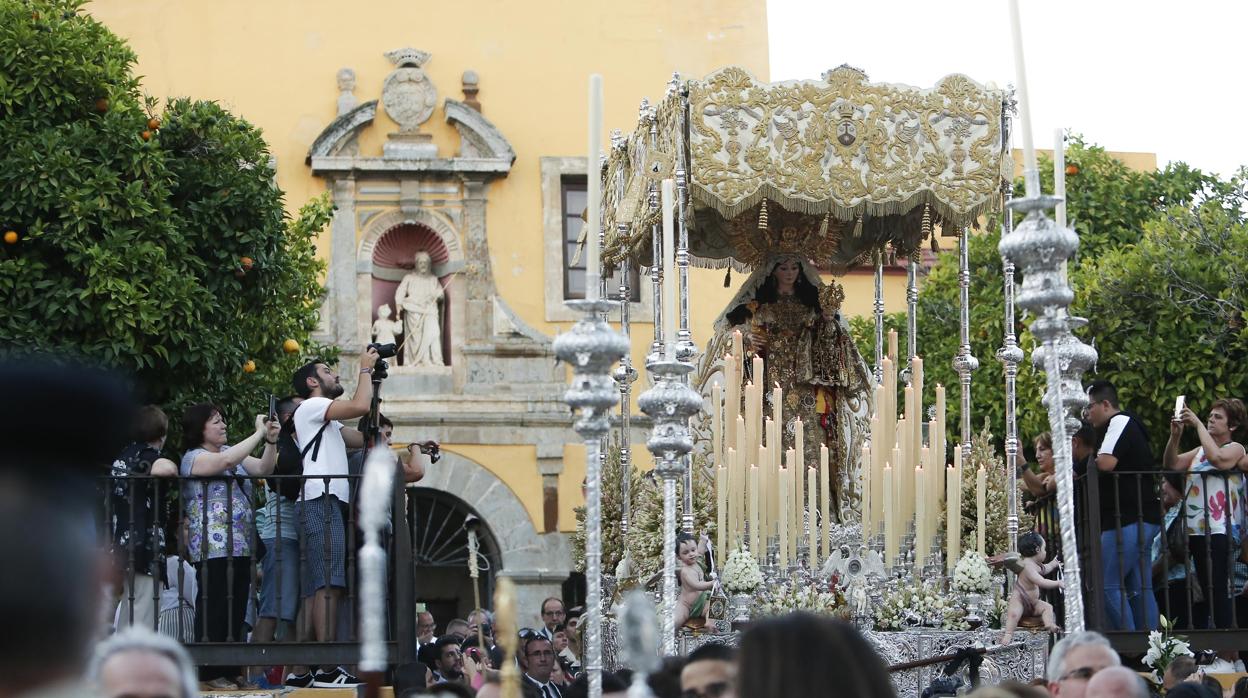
(757,340)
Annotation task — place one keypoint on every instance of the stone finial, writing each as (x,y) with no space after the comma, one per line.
(346,91)
(471,85)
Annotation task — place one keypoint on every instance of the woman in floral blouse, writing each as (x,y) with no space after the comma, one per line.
(1214,503)
(218,510)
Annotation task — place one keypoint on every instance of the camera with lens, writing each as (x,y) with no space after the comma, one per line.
(384,351)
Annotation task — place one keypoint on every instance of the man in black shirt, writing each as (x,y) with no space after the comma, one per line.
(1130,510)
(137,512)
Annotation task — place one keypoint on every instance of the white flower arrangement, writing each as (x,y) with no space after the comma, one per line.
(924,605)
(972,575)
(1164,647)
(789,597)
(741,574)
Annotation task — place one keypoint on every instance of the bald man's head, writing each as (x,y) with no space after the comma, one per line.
(1116,682)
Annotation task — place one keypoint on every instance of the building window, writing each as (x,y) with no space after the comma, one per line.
(573,199)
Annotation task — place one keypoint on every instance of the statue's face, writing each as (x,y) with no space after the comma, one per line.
(423,264)
(787,271)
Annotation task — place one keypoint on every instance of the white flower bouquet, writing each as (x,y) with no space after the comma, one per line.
(741,574)
(790,597)
(1164,647)
(924,605)
(972,575)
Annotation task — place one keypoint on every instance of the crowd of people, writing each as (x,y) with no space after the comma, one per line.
(204,562)
(1171,529)
(220,570)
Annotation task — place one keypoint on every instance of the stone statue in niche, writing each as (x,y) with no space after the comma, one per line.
(385,329)
(346,91)
(420,297)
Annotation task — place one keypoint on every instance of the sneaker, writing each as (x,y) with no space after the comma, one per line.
(338,678)
(300,680)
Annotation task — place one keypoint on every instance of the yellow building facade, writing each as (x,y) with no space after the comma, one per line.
(456,129)
(481,188)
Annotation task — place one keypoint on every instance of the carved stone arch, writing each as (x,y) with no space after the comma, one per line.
(478,138)
(342,132)
(524,550)
(380,224)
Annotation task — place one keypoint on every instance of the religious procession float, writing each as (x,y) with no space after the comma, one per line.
(817,479)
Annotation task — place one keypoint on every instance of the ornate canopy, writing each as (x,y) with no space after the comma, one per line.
(852,163)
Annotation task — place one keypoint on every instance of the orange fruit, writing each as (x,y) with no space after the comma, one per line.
(153,123)
(247,263)
(1072,170)
(101,105)
(11,237)
(146,135)
(290,346)
(249,367)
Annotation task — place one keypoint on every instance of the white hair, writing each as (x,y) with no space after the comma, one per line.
(139,639)
(1057,656)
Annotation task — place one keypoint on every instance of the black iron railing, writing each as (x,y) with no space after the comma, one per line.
(1140,563)
(155,512)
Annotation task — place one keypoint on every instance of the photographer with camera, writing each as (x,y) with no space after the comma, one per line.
(323,511)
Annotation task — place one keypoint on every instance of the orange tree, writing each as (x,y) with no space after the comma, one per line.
(155,243)
(1113,208)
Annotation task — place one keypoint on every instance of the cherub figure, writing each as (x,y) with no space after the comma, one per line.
(695,591)
(1025,601)
(385,330)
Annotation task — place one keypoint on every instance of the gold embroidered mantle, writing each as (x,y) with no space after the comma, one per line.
(843,149)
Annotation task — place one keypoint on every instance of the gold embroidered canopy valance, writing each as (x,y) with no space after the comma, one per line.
(853,162)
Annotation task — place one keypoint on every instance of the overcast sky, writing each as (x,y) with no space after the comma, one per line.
(1162,76)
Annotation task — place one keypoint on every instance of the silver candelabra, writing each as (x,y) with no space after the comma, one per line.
(670,403)
(592,347)
(1041,248)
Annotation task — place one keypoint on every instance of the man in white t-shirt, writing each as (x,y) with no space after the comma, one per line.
(327,494)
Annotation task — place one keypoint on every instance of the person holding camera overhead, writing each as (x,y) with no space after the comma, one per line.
(324,440)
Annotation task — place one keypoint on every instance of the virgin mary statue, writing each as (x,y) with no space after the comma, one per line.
(788,316)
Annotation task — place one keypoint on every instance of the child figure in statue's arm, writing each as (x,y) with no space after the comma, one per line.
(695,591)
(1025,601)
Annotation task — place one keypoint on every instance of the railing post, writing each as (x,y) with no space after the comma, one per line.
(1096,579)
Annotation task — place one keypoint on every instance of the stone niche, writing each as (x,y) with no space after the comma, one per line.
(499,384)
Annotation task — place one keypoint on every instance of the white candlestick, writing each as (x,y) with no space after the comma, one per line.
(1059,174)
(826,545)
(594,188)
(669,267)
(953,519)
(811,488)
(1024,103)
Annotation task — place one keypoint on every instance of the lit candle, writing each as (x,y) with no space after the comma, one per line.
(764,494)
(916,378)
(890,518)
(783,518)
(920,521)
(1024,102)
(953,519)
(799,467)
(721,507)
(741,493)
(717,430)
(877,472)
(754,517)
(811,488)
(827,498)
(593,188)
(981,503)
(795,501)
(669,268)
(777,402)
